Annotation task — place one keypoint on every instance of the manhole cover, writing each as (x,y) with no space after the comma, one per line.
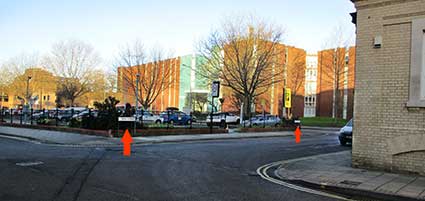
(351,183)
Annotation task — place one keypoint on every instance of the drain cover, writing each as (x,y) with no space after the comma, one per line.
(351,183)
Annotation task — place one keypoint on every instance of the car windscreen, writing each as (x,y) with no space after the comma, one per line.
(350,123)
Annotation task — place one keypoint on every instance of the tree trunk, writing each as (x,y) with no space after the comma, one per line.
(247,107)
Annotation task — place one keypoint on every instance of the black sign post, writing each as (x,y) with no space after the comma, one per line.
(215,93)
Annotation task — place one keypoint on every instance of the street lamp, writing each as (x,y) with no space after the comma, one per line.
(28,88)
(27,98)
(137,101)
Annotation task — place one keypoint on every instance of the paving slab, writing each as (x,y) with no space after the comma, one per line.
(334,170)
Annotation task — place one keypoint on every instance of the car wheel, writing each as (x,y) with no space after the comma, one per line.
(276,125)
(172,122)
(254,124)
(158,121)
(342,142)
(238,122)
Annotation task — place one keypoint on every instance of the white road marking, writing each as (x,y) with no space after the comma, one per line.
(25,164)
(262,171)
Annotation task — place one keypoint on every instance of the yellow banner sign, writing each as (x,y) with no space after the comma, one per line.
(288,98)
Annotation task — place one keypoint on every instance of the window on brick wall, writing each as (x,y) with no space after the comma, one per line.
(417,65)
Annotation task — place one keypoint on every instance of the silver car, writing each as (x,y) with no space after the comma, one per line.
(267,120)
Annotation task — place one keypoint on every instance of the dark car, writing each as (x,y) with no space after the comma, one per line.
(346,133)
(176,117)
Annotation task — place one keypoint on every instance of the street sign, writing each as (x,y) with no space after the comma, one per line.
(127,119)
(288,98)
(215,89)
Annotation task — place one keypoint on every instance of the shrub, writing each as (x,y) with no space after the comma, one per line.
(107,117)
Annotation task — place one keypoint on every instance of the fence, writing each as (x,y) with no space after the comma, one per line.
(87,118)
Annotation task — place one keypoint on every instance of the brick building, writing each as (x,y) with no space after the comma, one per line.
(184,81)
(389,113)
(41,89)
(335,69)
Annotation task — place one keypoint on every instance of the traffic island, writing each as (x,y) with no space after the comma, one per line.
(333,172)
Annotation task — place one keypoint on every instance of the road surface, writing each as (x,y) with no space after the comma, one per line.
(203,170)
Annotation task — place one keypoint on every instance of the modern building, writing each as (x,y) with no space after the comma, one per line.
(310,85)
(389,111)
(185,83)
(335,83)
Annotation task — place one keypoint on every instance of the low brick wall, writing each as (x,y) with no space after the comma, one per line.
(103,133)
(253,130)
(171,131)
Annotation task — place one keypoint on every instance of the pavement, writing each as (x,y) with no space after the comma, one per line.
(334,172)
(66,138)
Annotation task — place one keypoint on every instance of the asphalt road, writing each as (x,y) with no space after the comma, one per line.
(209,170)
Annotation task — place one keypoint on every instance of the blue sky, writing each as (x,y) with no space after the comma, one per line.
(32,26)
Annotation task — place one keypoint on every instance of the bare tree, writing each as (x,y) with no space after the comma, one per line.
(73,61)
(245,55)
(334,65)
(154,69)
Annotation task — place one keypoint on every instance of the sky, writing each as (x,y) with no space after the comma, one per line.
(32,27)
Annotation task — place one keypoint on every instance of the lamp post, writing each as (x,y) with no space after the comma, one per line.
(137,102)
(27,99)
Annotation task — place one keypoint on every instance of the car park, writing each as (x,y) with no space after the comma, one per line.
(149,117)
(176,117)
(267,120)
(223,118)
(68,113)
(85,113)
(346,133)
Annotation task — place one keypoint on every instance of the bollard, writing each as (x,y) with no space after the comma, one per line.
(32,112)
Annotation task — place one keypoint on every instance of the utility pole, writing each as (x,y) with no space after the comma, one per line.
(137,102)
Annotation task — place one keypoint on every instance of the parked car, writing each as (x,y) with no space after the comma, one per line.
(85,113)
(149,117)
(223,118)
(268,120)
(66,115)
(346,133)
(176,117)
(39,115)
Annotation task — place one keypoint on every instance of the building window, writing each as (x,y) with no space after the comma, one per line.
(417,65)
